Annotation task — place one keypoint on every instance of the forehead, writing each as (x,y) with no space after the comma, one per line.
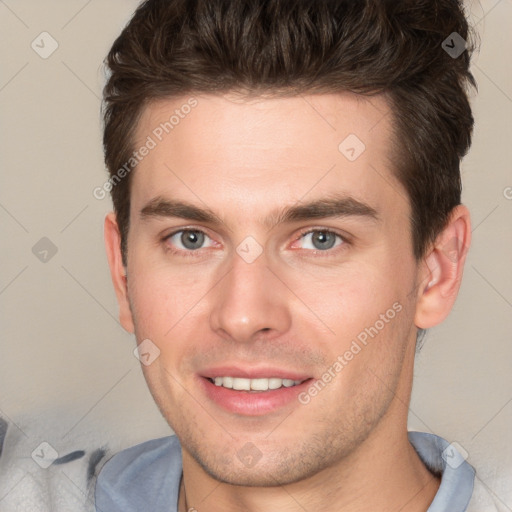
(255,150)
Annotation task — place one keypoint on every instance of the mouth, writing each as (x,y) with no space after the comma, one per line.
(253,392)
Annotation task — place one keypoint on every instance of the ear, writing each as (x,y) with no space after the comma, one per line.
(118,270)
(441,270)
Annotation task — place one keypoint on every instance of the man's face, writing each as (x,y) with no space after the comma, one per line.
(264,288)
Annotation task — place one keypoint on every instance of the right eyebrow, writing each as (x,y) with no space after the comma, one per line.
(160,207)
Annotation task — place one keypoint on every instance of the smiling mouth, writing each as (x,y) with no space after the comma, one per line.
(254,385)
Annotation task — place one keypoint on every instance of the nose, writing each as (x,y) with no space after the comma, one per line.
(250,302)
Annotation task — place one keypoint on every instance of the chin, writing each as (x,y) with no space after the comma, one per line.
(281,467)
(251,477)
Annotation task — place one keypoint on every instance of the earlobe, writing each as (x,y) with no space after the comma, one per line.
(441,272)
(118,270)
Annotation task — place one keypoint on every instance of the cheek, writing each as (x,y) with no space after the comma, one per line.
(153,303)
(349,299)
(168,309)
(367,360)
(161,296)
(369,314)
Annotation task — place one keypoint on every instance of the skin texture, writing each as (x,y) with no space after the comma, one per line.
(295,307)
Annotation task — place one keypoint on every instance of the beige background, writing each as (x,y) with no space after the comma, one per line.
(64,357)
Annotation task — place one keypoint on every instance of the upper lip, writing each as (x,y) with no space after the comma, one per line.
(245,372)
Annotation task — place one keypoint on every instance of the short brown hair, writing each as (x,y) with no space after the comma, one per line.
(171,48)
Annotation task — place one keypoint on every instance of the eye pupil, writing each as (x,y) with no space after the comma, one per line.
(323,239)
(192,239)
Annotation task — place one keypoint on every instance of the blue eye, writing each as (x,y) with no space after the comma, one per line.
(188,239)
(321,240)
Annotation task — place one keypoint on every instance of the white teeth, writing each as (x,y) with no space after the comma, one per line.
(241,384)
(274,383)
(259,384)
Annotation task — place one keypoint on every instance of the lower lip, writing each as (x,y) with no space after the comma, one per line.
(252,403)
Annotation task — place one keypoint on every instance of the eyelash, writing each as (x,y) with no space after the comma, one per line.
(197,253)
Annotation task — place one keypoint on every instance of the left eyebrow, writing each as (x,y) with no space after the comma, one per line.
(336,207)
